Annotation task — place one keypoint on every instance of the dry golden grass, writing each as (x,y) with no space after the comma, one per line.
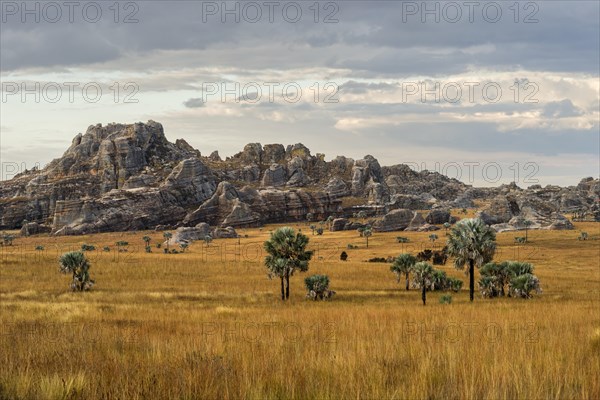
(209,324)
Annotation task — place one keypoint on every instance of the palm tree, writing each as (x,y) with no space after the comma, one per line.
(471,242)
(286,253)
(527,223)
(433,237)
(447,226)
(329,221)
(309,217)
(367,233)
(76,263)
(147,240)
(183,246)
(362,215)
(207,240)
(403,264)
(167,236)
(424,273)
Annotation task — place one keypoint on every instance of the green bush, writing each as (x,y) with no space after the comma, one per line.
(318,287)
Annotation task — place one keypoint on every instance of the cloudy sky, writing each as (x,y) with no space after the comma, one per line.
(488,92)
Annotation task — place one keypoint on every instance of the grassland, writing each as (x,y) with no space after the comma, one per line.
(209,324)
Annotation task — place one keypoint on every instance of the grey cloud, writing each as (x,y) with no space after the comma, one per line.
(561,109)
(194,103)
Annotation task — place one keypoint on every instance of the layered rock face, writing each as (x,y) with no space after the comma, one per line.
(127,177)
(519,211)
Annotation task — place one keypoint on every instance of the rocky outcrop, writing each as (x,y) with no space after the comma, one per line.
(399,220)
(129,176)
(336,187)
(367,179)
(513,211)
(275,176)
(224,207)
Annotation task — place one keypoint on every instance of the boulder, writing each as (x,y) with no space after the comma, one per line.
(428,228)
(224,233)
(189,234)
(396,220)
(339,224)
(33,228)
(438,216)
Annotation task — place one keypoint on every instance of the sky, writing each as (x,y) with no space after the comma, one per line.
(482,91)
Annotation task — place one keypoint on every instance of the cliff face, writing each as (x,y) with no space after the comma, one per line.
(123,177)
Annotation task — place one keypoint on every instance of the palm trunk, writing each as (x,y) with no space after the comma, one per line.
(282,290)
(287,286)
(407,281)
(423,293)
(471,279)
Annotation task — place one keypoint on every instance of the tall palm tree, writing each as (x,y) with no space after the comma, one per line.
(424,274)
(471,242)
(367,233)
(527,223)
(286,253)
(403,264)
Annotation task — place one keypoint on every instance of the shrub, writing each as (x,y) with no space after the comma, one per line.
(106,249)
(343,256)
(425,255)
(39,248)
(446,299)
(402,239)
(351,246)
(318,287)
(523,285)
(88,247)
(517,275)
(378,259)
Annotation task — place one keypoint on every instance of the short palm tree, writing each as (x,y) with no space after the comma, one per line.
(471,242)
(167,236)
(433,237)
(286,253)
(76,263)
(403,265)
(424,274)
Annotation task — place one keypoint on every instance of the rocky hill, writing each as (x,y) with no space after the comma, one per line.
(130,177)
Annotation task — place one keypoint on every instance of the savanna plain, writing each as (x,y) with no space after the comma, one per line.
(208,323)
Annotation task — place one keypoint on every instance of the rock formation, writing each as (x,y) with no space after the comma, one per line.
(130,177)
